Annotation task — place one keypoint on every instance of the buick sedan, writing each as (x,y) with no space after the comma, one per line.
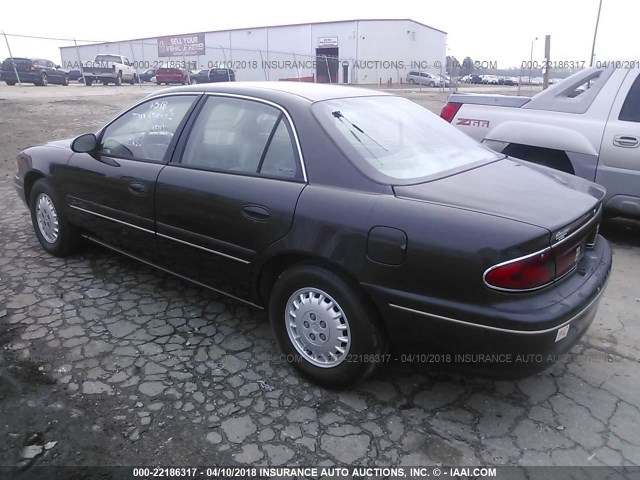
(365,226)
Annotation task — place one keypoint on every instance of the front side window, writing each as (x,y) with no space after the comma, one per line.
(146,131)
(241,136)
(397,141)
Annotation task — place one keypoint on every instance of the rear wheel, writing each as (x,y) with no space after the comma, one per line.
(56,235)
(324,326)
(44,80)
(11,84)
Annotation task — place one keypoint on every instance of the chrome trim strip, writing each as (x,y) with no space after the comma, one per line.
(215,252)
(171,272)
(275,105)
(503,330)
(112,219)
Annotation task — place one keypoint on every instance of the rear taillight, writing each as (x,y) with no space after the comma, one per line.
(449,111)
(525,273)
(537,270)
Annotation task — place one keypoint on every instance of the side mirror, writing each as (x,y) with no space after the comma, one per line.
(58,67)
(85,143)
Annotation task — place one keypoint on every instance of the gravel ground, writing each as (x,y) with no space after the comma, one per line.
(104,361)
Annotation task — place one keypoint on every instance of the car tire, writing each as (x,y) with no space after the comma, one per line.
(119,79)
(412,81)
(44,80)
(56,235)
(133,80)
(158,83)
(432,84)
(11,84)
(88,82)
(65,81)
(343,325)
(194,81)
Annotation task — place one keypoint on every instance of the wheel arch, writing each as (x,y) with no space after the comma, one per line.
(549,157)
(268,272)
(29,180)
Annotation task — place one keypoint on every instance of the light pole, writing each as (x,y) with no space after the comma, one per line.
(595,34)
(531,64)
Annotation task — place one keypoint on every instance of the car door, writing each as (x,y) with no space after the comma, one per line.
(111,191)
(230,192)
(619,163)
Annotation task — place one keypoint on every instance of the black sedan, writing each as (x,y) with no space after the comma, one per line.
(358,220)
(33,70)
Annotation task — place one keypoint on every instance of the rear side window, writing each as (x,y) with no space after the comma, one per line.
(630,111)
(241,136)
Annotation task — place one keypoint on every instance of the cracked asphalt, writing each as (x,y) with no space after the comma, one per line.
(104,361)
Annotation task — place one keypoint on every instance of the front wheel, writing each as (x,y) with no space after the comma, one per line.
(324,326)
(119,79)
(56,235)
(432,84)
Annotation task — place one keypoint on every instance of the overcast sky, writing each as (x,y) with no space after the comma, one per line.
(492,30)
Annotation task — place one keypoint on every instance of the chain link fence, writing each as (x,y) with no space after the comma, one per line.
(248,64)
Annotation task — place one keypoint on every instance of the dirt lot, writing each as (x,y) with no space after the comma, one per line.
(105,362)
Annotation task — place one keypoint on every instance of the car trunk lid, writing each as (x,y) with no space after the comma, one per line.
(517,190)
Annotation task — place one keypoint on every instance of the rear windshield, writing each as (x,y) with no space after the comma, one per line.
(398,139)
(108,58)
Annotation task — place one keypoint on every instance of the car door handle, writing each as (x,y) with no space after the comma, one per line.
(626,141)
(256,212)
(137,188)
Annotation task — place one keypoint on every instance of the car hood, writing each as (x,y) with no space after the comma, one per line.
(66,143)
(513,189)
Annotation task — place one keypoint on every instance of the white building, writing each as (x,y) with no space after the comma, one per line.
(350,51)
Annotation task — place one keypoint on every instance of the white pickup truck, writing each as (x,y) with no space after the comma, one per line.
(109,68)
(587,125)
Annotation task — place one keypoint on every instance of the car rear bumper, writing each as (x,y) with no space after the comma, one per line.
(528,343)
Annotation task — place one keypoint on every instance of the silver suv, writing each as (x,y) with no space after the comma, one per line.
(424,78)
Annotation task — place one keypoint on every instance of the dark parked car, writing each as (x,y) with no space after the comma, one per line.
(75,75)
(148,74)
(173,75)
(356,219)
(33,70)
(213,75)
(475,79)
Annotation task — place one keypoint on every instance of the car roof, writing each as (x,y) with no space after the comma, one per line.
(310,91)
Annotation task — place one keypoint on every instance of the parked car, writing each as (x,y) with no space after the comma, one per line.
(213,75)
(424,78)
(477,79)
(75,75)
(109,68)
(147,75)
(33,70)
(424,240)
(490,79)
(173,75)
(587,125)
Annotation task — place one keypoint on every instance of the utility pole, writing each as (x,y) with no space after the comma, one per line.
(595,34)
(547,58)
